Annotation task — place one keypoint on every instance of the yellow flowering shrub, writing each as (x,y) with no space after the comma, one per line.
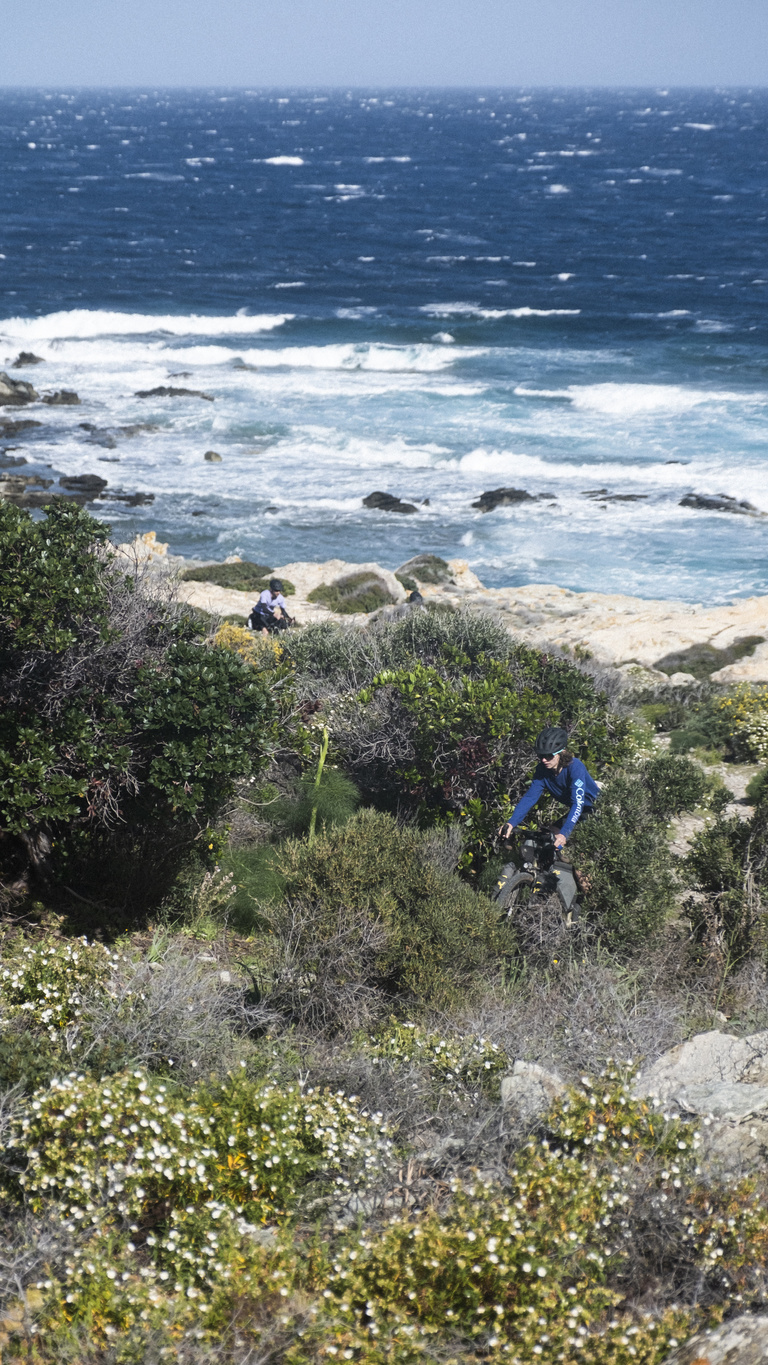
(745,712)
(254,648)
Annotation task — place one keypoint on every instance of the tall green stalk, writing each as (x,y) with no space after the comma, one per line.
(320,766)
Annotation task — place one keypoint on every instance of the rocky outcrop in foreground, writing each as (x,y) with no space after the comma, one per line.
(651,638)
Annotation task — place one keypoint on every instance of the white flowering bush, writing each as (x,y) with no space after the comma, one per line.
(533,1271)
(44,982)
(166,1194)
(462,1064)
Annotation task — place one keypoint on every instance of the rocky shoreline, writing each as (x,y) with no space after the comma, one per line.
(665,640)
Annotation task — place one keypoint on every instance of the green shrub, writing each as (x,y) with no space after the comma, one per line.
(728,861)
(439,932)
(241,577)
(424,568)
(121,732)
(336,800)
(445,716)
(623,853)
(757,788)
(355,592)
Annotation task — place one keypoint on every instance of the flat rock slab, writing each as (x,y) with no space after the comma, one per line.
(741,1341)
(707,1060)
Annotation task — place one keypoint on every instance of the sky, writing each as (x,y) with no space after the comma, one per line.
(258,43)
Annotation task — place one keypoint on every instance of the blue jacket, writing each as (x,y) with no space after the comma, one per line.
(572,786)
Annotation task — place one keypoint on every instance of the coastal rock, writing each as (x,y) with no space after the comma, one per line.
(752,669)
(9,429)
(25,490)
(530,1090)
(387,502)
(168,391)
(26,358)
(722,1080)
(62,398)
(423,569)
(89,484)
(720,502)
(14,393)
(740,1341)
(212,456)
(501,497)
(144,549)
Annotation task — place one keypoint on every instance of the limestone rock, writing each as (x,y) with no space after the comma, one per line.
(143,548)
(722,1080)
(14,393)
(740,1341)
(213,457)
(752,669)
(530,1090)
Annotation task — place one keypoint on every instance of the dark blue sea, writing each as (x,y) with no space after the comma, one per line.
(431,294)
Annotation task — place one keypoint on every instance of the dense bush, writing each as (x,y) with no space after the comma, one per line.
(435,715)
(437,932)
(728,863)
(242,576)
(355,592)
(121,732)
(623,852)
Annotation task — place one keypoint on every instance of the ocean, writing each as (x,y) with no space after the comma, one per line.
(427,293)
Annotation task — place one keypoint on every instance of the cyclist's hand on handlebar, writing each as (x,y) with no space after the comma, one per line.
(505,831)
(560,841)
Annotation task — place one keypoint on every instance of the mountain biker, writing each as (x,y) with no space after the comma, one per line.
(271,611)
(562,775)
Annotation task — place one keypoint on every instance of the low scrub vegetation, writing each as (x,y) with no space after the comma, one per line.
(256,999)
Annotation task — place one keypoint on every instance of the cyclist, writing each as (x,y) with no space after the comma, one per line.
(562,775)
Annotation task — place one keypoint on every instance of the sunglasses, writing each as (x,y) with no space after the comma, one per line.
(557,755)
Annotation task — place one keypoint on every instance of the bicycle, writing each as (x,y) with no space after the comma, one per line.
(540,897)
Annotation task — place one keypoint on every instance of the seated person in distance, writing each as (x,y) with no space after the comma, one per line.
(564,777)
(271,610)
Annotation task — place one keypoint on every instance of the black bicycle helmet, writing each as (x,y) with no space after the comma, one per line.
(275,585)
(552,740)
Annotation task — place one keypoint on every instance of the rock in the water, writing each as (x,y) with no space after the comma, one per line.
(91,484)
(212,456)
(530,1090)
(25,490)
(168,391)
(740,1341)
(723,1080)
(720,502)
(130,499)
(423,569)
(9,429)
(14,393)
(62,398)
(501,497)
(387,502)
(26,358)
(100,436)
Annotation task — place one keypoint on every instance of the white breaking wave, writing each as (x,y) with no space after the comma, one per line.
(283,160)
(85,322)
(473,310)
(632,400)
